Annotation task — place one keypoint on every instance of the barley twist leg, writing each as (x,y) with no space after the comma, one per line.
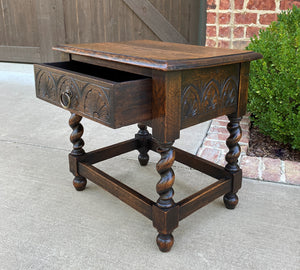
(79,181)
(231,199)
(165,190)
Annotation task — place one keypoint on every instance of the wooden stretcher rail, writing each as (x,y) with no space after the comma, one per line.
(118,189)
(203,197)
(202,165)
(110,151)
(197,163)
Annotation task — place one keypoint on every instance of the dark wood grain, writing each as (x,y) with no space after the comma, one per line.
(164,168)
(188,85)
(132,102)
(165,220)
(79,182)
(165,214)
(232,143)
(243,89)
(203,197)
(231,199)
(110,151)
(111,97)
(160,55)
(143,138)
(166,105)
(208,92)
(201,165)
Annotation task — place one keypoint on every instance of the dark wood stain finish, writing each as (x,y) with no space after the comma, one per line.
(243,89)
(160,55)
(207,92)
(98,98)
(166,106)
(185,85)
(203,197)
(143,137)
(79,182)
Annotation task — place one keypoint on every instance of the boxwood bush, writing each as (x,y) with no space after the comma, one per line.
(274,87)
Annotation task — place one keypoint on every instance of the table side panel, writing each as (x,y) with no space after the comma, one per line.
(208,93)
(243,89)
(133,102)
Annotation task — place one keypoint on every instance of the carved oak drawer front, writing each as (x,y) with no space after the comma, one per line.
(209,92)
(111,97)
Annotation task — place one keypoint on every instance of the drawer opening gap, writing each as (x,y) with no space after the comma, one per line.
(97,71)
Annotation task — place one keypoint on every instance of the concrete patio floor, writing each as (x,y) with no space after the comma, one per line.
(46,224)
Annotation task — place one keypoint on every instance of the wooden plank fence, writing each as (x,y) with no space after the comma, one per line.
(29,29)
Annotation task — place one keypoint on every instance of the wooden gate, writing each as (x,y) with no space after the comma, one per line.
(29,29)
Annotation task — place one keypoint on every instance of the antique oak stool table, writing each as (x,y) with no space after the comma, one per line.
(166,86)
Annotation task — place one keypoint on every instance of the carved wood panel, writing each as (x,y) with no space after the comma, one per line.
(212,91)
(93,100)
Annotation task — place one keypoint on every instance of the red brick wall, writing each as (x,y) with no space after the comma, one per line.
(231,23)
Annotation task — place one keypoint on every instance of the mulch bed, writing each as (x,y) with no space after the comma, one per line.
(261,145)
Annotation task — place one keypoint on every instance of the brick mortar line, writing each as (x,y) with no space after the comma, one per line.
(261,168)
(243,129)
(221,141)
(246,2)
(239,25)
(232,11)
(247,10)
(199,148)
(282,172)
(217,19)
(224,39)
(231,24)
(231,38)
(219,157)
(277,5)
(222,152)
(241,11)
(231,41)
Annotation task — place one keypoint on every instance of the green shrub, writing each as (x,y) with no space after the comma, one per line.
(274,87)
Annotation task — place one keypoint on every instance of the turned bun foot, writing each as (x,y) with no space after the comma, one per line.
(230,200)
(165,242)
(79,183)
(143,159)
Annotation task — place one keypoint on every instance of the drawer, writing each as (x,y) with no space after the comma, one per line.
(111,97)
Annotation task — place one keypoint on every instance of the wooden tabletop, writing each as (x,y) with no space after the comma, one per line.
(160,55)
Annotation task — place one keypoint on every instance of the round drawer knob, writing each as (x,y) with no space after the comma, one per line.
(65,99)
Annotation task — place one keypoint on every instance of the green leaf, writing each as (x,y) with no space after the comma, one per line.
(274,85)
